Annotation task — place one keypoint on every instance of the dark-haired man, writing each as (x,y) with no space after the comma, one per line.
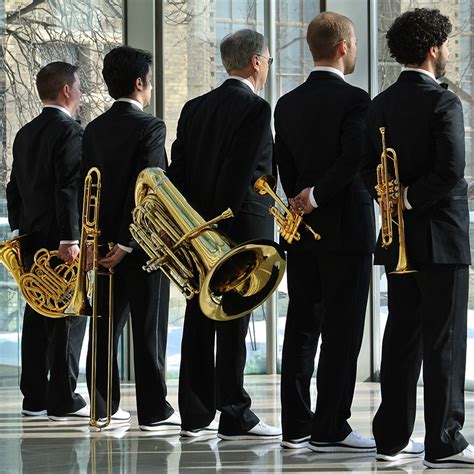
(223,144)
(319,155)
(122,142)
(42,196)
(427,309)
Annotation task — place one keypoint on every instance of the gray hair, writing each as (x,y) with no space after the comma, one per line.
(238,48)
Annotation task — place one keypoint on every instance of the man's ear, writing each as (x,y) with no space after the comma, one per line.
(66,91)
(342,47)
(433,52)
(255,62)
(139,84)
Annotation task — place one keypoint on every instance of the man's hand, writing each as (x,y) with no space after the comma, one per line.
(89,258)
(68,252)
(113,258)
(301,202)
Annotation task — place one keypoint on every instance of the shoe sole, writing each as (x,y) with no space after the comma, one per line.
(33,414)
(195,434)
(246,437)
(398,457)
(449,464)
(295,444)
(68,418)
(340,449)
(160,427)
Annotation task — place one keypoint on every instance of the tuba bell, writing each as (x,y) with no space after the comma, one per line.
(229,280)
(391,205)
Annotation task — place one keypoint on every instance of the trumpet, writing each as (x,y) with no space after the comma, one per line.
(389,196)
(288,219)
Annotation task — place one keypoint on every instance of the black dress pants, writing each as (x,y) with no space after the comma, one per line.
(211,380)
(50,346)
(426,323)
(145,296)
(327,298)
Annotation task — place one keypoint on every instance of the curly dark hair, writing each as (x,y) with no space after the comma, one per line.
(412,35)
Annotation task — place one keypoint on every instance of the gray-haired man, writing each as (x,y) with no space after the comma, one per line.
(223,144)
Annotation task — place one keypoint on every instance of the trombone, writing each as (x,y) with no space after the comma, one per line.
(388,192)
(90,238)
(288,219)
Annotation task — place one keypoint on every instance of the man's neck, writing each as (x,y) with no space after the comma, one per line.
(58,103)
(333,64)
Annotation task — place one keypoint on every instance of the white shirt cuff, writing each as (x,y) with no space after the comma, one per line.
(405,199)
(125,249)
(67,242)
(15,233)
(311,198)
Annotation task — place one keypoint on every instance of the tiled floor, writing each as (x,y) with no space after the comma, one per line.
(42,446)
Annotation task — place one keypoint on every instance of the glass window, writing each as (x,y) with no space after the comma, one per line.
(193,67)
(459,77)
(34,33)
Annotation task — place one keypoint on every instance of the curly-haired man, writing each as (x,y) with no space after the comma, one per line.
(427,309)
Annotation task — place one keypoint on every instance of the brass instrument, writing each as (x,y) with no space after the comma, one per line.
(56,290)
(288,219)
(388,191)
(90,238)
(230,280)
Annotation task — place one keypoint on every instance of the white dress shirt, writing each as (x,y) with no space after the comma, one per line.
(245,81)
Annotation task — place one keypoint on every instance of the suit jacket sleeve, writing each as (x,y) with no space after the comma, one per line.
(151,153)
(240,164)
(352,152)
(67,162)
(448,157)
(13,198)
(284,159)
(368,170)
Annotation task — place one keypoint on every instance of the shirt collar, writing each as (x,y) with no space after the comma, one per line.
(421,71)
(245,81)
(131,101)
(59,107)
(330,69)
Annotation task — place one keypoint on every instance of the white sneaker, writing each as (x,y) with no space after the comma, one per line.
(463,460)
(295,443)
(83,412)
(411,450)
(120,415)
(173,421)
(206,430)
(34,413)
(260,431)
(352,443)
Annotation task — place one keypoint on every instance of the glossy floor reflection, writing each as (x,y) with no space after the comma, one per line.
(43,446)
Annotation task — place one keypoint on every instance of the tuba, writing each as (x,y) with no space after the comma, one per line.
(229,280)
(389,193)
(287,219)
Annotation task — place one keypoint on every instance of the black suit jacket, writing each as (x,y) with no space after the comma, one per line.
(424,125)
(42,192)
(122,142)
(223,144)
(320,128)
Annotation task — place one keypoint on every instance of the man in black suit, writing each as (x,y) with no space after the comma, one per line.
(42,196)
(427,309)
(122,142)
(223,144)
(319,146)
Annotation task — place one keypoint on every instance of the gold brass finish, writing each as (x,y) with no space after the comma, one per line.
(230,280)
(389,193)
(288,219)
(90,238)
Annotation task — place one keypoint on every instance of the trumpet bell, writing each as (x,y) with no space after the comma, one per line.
(242,280)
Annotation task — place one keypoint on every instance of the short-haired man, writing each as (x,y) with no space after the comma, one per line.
(319,146)
(223,144)
(428,309)
(122,142)
(42,202)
